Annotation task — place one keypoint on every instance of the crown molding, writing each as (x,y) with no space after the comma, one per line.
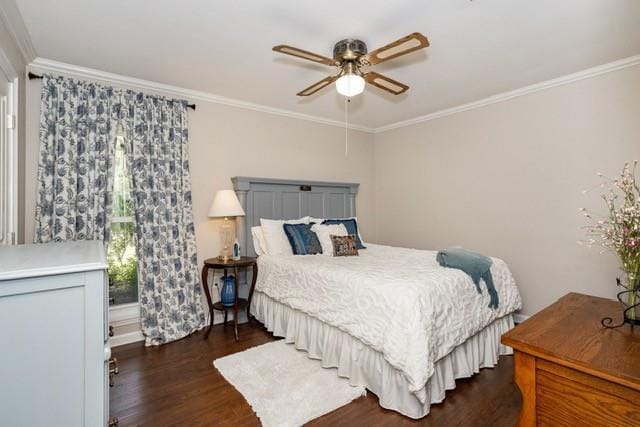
(548,84)
(12,20)
(48,65)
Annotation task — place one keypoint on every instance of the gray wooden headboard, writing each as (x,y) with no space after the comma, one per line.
(289,199)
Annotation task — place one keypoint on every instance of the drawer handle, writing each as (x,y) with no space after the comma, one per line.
(114,422)
(113,370)
(113,366)
(110,331)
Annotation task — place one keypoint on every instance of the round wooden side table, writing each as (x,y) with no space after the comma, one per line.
(213,264)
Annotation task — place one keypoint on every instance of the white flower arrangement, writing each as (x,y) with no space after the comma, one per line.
(619,231)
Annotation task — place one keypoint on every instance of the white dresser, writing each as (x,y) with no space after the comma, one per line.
(54,340)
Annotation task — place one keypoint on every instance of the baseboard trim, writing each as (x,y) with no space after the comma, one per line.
(519,318)
(127,338)
(136,336)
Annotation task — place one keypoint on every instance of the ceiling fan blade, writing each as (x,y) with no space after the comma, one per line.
(294,51)
(385,83)
(408,44)
(317,86)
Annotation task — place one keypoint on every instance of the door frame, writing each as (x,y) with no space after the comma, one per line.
(8,72)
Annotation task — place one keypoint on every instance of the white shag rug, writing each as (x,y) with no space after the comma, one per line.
(283,386)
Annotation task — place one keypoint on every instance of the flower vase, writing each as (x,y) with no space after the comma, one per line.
(228,291)
(632,299)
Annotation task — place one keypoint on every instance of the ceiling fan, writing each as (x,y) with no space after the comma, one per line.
(350,56)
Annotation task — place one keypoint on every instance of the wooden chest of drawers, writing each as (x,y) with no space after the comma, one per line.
(572,371)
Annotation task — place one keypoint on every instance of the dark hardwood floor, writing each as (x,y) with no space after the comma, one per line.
(177,385)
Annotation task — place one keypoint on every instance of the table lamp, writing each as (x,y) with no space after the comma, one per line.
(226,205)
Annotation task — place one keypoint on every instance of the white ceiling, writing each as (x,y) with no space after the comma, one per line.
(478,48)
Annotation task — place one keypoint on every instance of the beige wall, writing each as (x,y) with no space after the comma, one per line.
(507,180)
(227,141)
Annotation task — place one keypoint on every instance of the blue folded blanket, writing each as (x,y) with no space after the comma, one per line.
(477,266)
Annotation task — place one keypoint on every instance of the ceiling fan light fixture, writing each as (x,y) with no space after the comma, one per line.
(350,85)
(351,54)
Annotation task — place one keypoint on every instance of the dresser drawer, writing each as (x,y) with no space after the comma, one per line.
(54,335)
(566,397)
(42,359)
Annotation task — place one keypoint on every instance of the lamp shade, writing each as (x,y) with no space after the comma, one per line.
(225,204)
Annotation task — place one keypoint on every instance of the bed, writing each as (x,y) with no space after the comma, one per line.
(390,319)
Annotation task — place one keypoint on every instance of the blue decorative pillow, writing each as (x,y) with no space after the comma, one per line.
(352,228)
(303,241)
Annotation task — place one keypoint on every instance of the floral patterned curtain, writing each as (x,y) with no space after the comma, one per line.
(169,289)
(75,173)
(78,125)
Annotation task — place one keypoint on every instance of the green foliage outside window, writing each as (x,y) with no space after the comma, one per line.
(121,255)
(123,264)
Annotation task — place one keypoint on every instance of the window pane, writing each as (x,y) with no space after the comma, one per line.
(123,264)
(121,255)
(122,205)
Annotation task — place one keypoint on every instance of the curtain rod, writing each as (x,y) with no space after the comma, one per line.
(33,76)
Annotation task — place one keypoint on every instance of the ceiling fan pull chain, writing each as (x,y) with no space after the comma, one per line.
(346,126)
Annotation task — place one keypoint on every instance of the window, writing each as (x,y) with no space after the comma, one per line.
(121,254)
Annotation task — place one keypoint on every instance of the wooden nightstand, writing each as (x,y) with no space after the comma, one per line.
(213,264)
(572,371)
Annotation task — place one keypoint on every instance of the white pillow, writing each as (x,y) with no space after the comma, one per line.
(259,245)
(274,236)
(324,233)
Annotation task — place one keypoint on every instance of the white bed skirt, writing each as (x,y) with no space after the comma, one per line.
(367,367)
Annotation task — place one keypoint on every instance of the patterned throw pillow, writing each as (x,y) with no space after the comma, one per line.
(344,245)
(352,227)
(303,241)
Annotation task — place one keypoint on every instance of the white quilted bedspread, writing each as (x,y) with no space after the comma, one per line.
(398,301)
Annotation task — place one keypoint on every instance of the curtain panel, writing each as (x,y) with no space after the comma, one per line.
(75,173)
(78,125)
(169,286)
